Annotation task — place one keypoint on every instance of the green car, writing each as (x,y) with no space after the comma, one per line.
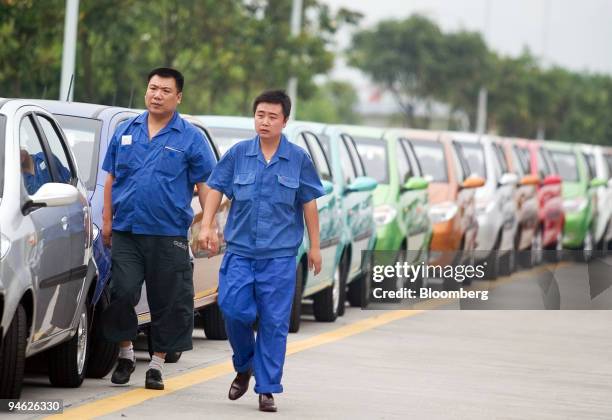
(325,288)
(579,197)
(354,191)
(400,200)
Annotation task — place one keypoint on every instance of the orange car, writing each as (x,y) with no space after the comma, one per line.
(451,194)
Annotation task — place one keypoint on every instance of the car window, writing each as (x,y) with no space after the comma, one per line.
(501,158)
(404,168)
(521,157)
(566,165)
(590,161)
(348,170)
(34,164)
(83,135)
(431,159)
(318,156)
(373,153)
(543,167)
(2,145)
(473,156)
(227,137)
(208,141)
(357,163)
(608,158)
(60,156)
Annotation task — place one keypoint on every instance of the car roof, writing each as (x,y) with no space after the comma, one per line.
(225,121)
(362,131)
(80,109)
(413,134)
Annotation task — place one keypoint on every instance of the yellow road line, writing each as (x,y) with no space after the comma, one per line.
(137,396)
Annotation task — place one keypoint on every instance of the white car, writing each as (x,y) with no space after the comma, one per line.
(495,205)
(599,162)
(47,273)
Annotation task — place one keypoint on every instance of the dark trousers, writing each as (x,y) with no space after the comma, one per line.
(162,262)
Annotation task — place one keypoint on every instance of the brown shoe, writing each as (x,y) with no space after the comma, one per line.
(266,403)
(240,385)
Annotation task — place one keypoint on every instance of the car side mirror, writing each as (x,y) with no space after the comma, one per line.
(530,180)
(552,180)
(508,179)
(415,183)
(597,182)
(52,194)
(361,184)
(473,182)
(328,187)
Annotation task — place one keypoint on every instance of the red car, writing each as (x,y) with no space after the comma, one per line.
(533,159)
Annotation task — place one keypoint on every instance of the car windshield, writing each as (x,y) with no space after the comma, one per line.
(431,159)
(474,157)
(373,153)
(2,133)
(225,138)
(83,136)
(566,165)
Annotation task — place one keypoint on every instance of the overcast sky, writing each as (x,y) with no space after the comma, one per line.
(576,34)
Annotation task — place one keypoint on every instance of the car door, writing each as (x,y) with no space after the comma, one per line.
(330,224)
(48,254)
(360,209)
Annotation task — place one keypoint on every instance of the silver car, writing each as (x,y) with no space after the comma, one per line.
(47,273)
(495,205)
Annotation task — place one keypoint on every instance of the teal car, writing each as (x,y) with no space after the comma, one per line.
(354,191)
(401,199)
(579,197)
(325,288)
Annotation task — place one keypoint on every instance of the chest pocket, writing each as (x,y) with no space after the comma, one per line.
(125,159)
(286,189)
(244,186)
(170,161)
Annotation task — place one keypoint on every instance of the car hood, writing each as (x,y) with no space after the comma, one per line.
(573,189)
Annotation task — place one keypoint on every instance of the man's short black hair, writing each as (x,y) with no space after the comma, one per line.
(274,97)
(168,72)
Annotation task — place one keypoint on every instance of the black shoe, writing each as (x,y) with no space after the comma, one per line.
(154,380)
(122,372)
(240,385)
(266,403)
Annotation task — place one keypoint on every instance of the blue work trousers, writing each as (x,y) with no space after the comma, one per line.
(251,289)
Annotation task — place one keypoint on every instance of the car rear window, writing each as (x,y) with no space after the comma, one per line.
(2,145)
(83,135)
(374,154)
(225,138)
(431,159)
(566,165)
(608,161)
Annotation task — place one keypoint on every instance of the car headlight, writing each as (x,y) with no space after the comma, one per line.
(5,245)
(574,205)
(96,232)
(442,212)
(484,206)
(383,215)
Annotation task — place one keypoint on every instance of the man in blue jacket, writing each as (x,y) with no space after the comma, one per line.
(153,163)
(273,185)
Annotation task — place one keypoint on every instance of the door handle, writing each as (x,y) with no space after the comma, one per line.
(64,221)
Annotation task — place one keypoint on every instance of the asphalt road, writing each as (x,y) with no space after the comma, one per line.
(421,363)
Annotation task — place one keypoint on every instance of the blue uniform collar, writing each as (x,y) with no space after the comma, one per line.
(175,122)
(282,151)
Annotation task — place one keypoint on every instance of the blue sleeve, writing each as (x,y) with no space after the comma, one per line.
(111,155)
(201,159)
(222,177)
(310,184)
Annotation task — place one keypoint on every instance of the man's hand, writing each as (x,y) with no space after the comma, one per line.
(208,240)
(107,232)
(315,260)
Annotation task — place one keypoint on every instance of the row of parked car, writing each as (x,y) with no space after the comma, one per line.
(418,194)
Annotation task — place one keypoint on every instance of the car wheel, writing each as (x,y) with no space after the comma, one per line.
(327,301)
(536,248)
(296,306)
(103,352)
(68,361)
(12,356)
(344,269)
(214,324)
(493,260)
(587,248)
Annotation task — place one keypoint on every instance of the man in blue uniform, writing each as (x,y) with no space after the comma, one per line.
(273,184)
(153,163)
